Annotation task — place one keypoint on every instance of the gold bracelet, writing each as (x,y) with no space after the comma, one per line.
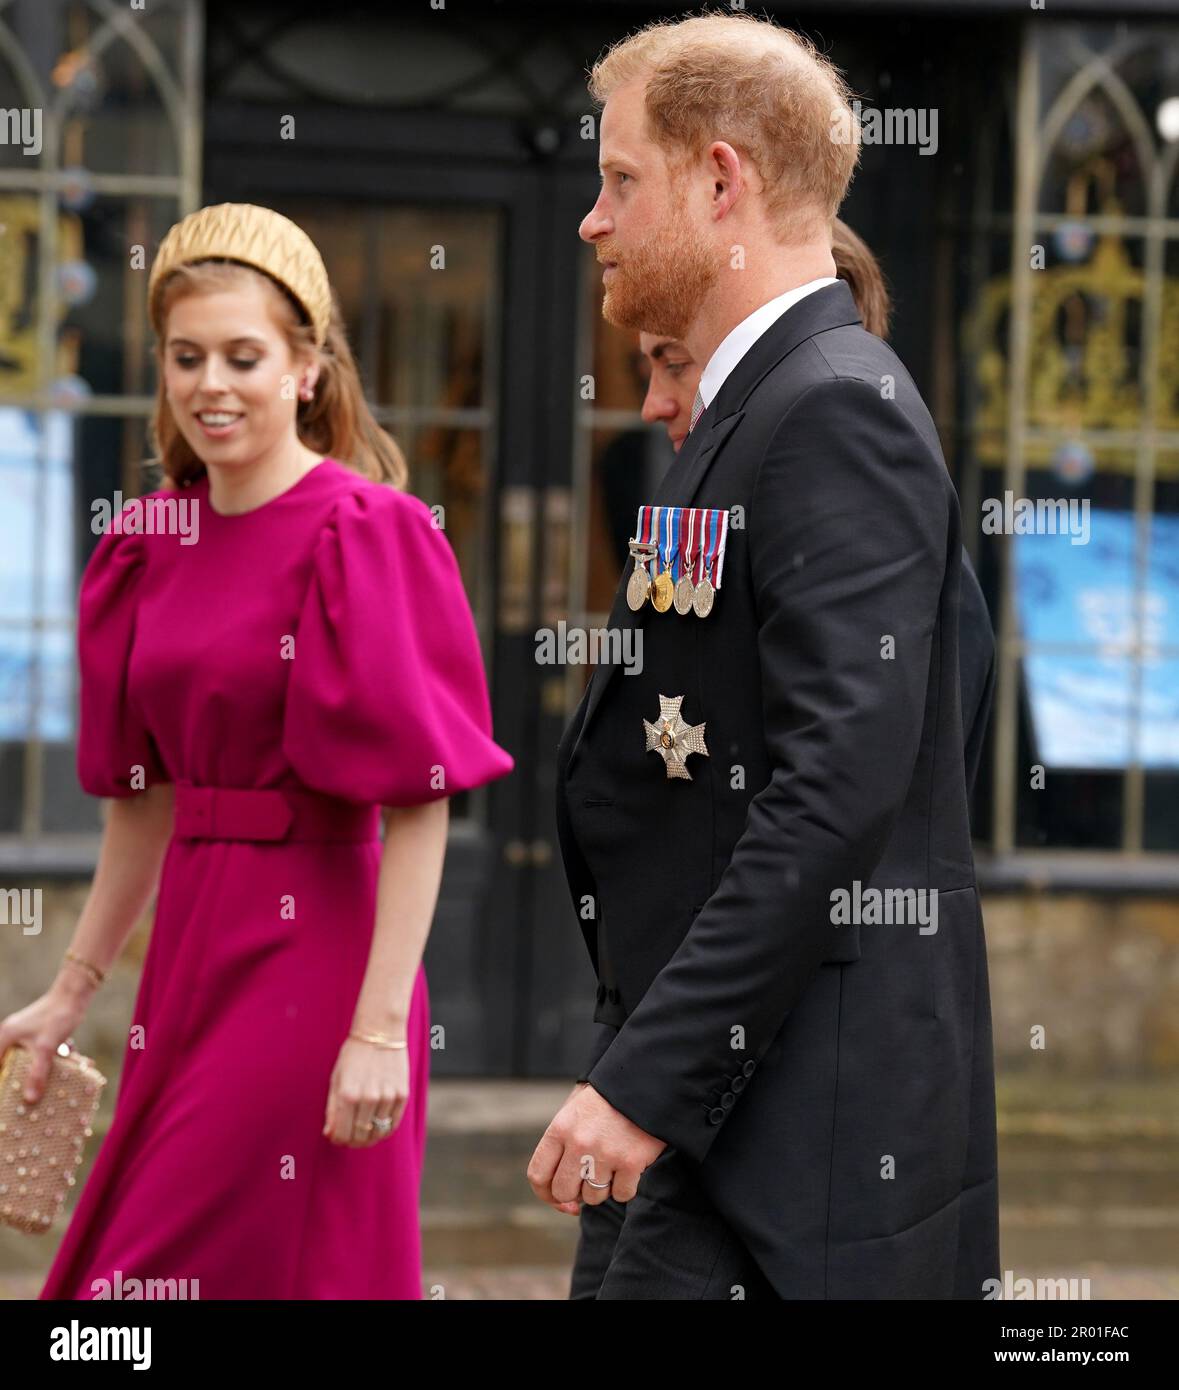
(378,1039)
(96,975)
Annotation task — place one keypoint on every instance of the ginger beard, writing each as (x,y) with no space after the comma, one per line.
(660,284)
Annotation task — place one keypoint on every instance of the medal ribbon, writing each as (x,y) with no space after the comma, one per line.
(688,525)
(663,525)
(723,517)
(705,542)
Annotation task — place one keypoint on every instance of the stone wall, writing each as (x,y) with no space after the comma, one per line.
(1099,974)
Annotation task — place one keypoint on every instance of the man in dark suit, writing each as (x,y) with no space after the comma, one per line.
(787,1101)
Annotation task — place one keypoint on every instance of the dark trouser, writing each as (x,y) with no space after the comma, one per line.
(667,1242)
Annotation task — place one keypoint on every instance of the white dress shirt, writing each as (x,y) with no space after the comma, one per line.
(734,347)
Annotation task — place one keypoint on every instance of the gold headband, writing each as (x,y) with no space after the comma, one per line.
(255,236)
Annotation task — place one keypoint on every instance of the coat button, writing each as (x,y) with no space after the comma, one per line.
(716,1115)
(748,1067)
(728,1100)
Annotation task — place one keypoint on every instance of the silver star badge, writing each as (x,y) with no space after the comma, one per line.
(672,739)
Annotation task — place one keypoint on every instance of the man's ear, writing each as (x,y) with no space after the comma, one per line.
(728,173)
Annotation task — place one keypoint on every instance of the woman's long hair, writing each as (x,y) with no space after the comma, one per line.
(855,263)
(337,422)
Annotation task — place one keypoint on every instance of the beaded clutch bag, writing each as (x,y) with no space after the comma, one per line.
(41,1144)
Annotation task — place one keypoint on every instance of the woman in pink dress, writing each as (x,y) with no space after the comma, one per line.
(272,651)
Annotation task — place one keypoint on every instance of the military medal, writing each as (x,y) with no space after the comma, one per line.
(672,739)
(638,586)
(642,549)
(713,554)
(702,598)
(692,540)
(663,589)
(685,590)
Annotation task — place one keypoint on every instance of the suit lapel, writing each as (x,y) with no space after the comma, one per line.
(830,307)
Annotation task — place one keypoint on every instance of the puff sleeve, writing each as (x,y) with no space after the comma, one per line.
(116,754)
(387,700)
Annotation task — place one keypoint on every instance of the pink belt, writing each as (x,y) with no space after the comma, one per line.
(255,813)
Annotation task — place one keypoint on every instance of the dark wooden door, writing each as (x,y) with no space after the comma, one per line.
(457,277)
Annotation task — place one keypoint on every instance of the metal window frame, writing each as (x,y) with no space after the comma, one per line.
(1035,138)
(181,96)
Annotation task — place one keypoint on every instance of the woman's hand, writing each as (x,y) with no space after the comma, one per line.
(42,1026)
(135,837)
(368,1083)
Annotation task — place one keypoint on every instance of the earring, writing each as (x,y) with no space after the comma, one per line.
(306,392)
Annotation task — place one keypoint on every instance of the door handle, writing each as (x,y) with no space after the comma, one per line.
(517,542)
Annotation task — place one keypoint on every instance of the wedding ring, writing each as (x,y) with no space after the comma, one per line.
(595,1184)
(382,1126)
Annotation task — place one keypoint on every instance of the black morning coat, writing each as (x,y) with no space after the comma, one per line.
(833,1083)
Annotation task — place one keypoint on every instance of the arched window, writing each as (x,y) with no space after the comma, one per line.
(1077,417)
(97,161)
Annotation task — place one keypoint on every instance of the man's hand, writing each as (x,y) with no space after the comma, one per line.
(588,1138)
